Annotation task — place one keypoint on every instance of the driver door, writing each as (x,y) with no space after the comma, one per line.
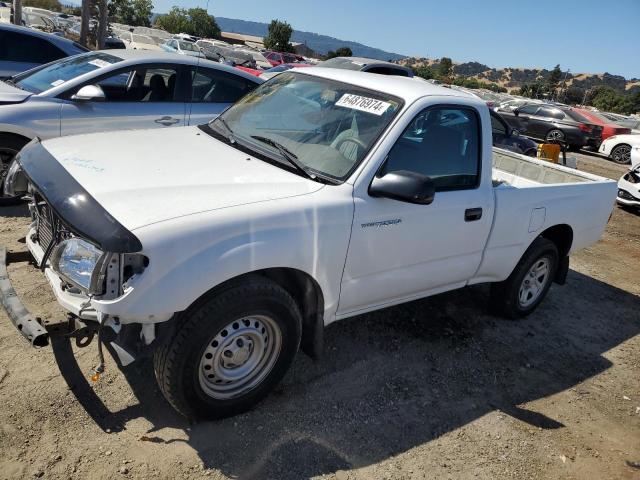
(147,96)
(400,251)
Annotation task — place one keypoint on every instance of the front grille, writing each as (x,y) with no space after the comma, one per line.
(44,228)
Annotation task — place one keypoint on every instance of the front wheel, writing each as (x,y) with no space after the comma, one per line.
(528,284)
(621,154)
(229,351)
(9,147)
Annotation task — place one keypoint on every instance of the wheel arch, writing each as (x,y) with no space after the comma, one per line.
(15,135)
(306,292)
(562,237)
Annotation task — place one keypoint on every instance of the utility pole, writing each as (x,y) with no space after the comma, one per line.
(17,12)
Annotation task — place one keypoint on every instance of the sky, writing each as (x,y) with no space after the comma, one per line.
(585,36)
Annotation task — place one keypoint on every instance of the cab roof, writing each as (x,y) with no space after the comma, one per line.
(408,89)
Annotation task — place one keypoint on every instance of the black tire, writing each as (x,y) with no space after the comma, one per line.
(178,359)
(505,296)
(9,146)
(621,154)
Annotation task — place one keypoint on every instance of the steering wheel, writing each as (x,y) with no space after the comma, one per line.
(355,140)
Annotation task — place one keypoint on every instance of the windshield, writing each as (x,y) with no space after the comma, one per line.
(63,70)
(329,126)
(188,46)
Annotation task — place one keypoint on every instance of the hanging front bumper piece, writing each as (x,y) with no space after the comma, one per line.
(29,325)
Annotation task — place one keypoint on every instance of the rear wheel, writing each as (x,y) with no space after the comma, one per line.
(528,284)
(229,351)
(555,136)
(621,154)
(10,145)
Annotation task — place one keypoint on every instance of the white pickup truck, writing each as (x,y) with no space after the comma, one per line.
(322,195)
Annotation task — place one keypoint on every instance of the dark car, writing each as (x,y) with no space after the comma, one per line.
(367,65)
(554,124)
(509,138)
(24,48)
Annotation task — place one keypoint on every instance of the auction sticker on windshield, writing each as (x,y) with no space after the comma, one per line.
(364,104)
(99,63)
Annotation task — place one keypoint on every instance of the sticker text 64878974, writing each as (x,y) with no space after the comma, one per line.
(364,104)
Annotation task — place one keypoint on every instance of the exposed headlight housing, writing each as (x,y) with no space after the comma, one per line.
(15,183)
(80,263)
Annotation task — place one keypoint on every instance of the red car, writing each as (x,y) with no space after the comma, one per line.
(609,128)
(252,71)
(277,58)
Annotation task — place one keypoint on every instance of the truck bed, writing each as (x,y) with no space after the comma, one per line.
(532,196)
(512,169)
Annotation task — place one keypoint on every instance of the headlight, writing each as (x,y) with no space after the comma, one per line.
(80,263)
(15,183)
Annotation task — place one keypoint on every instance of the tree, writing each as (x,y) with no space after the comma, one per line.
(17,12)
(53,5)
(340,52)
(85,21)
(279,36)
(554,80)
(424,71)
(445,69)
(203,24)
(131,12)
(195,21)
(176,21)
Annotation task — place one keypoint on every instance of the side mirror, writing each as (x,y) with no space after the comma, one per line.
(515,132)
(516,111)
(410,187)
(89,93)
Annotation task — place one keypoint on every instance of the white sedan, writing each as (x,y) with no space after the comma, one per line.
(629,188)
(620,147)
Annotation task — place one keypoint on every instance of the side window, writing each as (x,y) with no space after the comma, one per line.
(545,112)
(214,86)
(497,126)
(16,47)
(529,109)
(289,59)
(141,85)
(558,114)
(442,143)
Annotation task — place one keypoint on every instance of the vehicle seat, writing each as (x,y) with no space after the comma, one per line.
(135,91)
(348,149)
(158,89)
(171,86)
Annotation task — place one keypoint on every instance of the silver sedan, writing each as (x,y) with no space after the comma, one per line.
(114,90)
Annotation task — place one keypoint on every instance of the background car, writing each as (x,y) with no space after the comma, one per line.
(619,147)
(227,55)
(556,124)
(504,136)
(272,72)
(629,188)
(609,128)
(23,48)
(182,47)
(134,41)
(367,65)
(278,58)
(114,90)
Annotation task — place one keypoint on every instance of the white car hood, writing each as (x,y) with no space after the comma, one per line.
(148,176)
(11,94)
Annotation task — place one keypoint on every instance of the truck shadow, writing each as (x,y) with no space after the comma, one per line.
(393,380)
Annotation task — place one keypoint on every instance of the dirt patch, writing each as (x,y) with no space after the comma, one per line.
(436,388)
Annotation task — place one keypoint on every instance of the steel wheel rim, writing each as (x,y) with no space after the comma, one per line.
(622,154)
(555,135)
(239,357)
(534,282)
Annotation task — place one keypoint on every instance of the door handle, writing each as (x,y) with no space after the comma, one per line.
(472,214)
(167,121)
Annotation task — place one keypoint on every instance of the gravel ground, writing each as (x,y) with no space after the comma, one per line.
(436,388)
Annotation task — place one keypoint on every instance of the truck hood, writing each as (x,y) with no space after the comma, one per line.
(11,94)
(149,176)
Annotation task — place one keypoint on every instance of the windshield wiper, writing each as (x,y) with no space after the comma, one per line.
(287,154)
(227,128)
